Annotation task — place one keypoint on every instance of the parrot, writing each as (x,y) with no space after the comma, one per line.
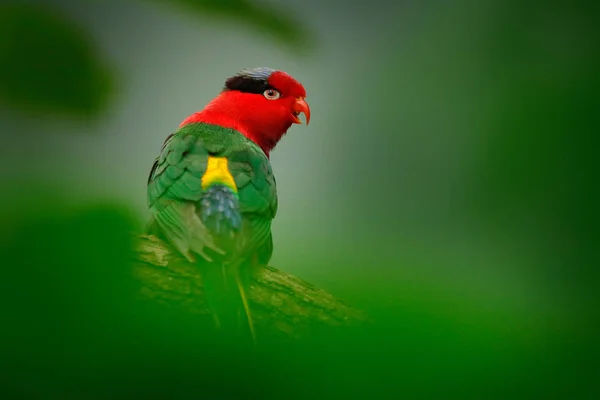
(211,191)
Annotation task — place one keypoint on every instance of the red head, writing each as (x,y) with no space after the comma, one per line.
(261,103)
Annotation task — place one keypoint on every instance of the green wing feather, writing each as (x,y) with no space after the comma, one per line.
(174,193)
(174,190)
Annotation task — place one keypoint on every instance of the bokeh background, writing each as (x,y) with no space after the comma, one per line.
(446,185)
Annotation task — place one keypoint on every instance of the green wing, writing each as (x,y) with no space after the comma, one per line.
(258,199)
(174,189)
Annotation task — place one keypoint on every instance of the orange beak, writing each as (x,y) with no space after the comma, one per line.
(301,106)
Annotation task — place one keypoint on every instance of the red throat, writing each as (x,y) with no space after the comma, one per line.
(260,120)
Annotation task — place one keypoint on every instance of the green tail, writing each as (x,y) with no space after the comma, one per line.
(227,297)
(226,280)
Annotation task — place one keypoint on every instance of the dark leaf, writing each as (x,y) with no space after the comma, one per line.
(267,19)
(48,65)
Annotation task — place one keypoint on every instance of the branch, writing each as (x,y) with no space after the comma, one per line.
(280,303)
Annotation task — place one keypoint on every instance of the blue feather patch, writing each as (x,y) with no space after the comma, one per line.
(258,73)
(221,210)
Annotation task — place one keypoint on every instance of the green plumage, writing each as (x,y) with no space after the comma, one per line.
(175,199)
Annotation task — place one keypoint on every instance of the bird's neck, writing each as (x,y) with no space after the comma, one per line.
(230,111)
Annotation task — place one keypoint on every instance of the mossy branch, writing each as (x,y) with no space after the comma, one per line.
(280,303)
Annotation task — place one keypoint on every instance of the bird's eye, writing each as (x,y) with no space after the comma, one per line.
(271,94)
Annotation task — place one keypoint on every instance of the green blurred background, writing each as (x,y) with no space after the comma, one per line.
(446,185)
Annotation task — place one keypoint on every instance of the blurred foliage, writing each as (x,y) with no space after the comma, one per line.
(539,156)
(522,94)
(72,327)
(68,311)
(276,23)
(48,64)
(536,169)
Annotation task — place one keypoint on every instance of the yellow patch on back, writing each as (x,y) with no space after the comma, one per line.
(217,172)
